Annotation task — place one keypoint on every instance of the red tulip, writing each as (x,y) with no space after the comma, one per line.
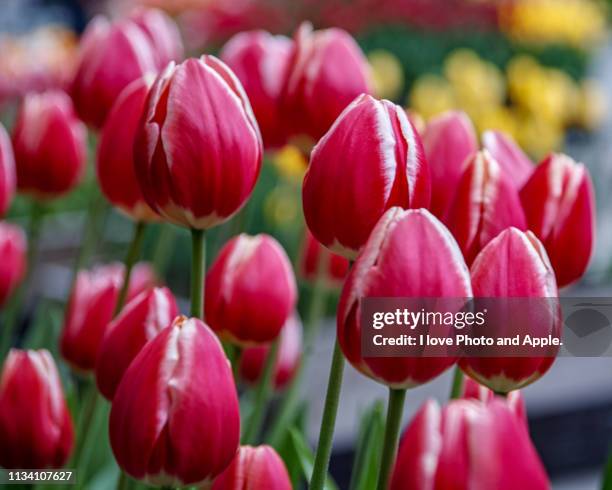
(162,33)
(288,357)
(409,254)
(50,145)
(260,60)
(473,390)
(199,151)
(513,265)
(8,179)
(448,140)
(175,418)
(35,425)
(91,307)
(250,290)
(254,468)
(315,255)
(327,70)
(513,161)
(13,250)
(141,320)
(369,161)
(486,202)
(560,209)
(467,445)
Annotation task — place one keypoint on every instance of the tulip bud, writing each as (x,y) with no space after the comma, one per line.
(327,70)
(560,209)
(472,390)
(141,320)
(467,445)
(513,161)
(199,151)
(250,290)
(369,161)
(162,33)
(35,426)
(387,267)
(256,468)
(315,256)
(90,310)
(485,203)
(289,354)
(448,140)
(8,179)
(13,250)
(50,145)
(175,418)
(260,61)
(513,265)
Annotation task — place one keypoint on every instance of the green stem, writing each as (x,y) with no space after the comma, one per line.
(328,423)
(122,482)
(130,259)
(457,386)
(198,263)
(395,409)
(86,415)
(163,249)
(264,389)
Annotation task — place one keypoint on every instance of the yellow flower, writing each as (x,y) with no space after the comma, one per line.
(290,163)
(592,105)
(431,95)
(281,206)
(387,74)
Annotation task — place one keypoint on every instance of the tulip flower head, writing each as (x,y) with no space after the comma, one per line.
(8,178)
(314,256)
(513,161)
(13,250)
(472,390)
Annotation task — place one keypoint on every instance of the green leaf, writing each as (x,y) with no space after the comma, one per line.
(369,448)
(306,458)
(607,476)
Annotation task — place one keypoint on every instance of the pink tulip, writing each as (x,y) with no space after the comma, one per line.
(369,161)
(472,390)
(513,161)
(162,33)
(35,426)
(448,140)
(175,419)
(560,209)
(50,145)
(13,250)
(250,290)
(199,151)
(409,254)
(8,178)
(314,256)
(485,203)
(260,61)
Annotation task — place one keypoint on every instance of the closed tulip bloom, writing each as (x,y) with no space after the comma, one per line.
(140,320)
(163,34)
(288,357)
(8,179)
(560,209)
(513,265)
(250,290)
(35,426)
(13,250)
(327,70)
(485,203)
(472,390)
(370,160)
(314,256)
(90,310)
(513,161)
(260,61)
(175,419)
(448,140)
(409,254)
(467,445)
(50,145)
(254,468)
(199,151)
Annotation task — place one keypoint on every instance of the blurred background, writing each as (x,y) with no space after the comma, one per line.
(540,70)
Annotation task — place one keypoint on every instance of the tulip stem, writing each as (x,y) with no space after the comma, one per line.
(198,244)
(130,259)
(328,422)
(457,386)
(395,409)
(163,249)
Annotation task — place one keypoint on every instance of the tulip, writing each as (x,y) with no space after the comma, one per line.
(35,426)
(141,320)
(250,290)
(90,310)
(255,468)
(315,256)
(473,390)
(409,254)
(467,445)
(260,60)
(13,250)
(199,151)
(448,140)
(288,356)
(513,161)
(486,202)
(8,179)
(514,265)
(162,33)
(327,70)
(175,418)
(50,145)
(559,205)
(369,161)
